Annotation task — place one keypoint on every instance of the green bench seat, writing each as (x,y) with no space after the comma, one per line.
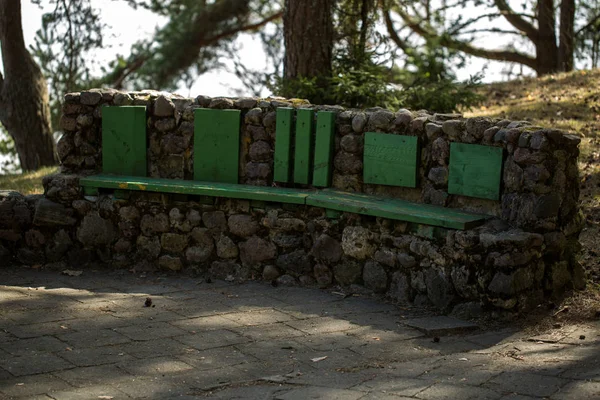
(326,198)
(302,155)
(197,188)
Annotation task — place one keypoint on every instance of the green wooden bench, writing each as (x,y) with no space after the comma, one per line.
(303,157)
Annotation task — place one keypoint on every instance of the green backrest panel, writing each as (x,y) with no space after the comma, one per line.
(124,140)
(475,170)
(391,159)
(304,146)
(283,145)
(216,145)
(324,143)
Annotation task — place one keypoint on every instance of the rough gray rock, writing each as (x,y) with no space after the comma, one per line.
(270,273)
(201,237)
(215,221)
(90,98)
(381,120)
(513,283)
(95,231)
(513,238)
(439,176)
(357,242)
(347,272)
(170,263)
(58,246)
(260,151)
(287,241)
(359,122)
(173,242)
(258,170)
(295,263)
(400,289)
(225,270)
(352,144)
(348,163)
(254,116)
(255,251)
(242,225)
(226,248)
(386,257)
(440,151)
(440,290)
(148,247)
(406,260)
(454,129)
(465,287)
(154,224)
(197,255)
(164,107)
(27,256)
(323,275)
(326,249)
(375,277)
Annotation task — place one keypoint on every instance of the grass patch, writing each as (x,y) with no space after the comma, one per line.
(27,183)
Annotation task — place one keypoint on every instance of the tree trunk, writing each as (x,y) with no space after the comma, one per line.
(24,103)
(567,35)
(308,35)
(545,46)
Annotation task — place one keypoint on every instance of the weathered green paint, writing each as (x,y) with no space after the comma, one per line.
(216,145)
(324,148)
(213,189)
(332,214)
(90,191)
(303,151)
(283,145)
(475,170)
(124,140)
(391,159)
(394,209)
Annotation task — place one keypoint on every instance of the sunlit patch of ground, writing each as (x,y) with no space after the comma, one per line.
(27,183)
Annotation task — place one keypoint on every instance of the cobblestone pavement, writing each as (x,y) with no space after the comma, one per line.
(90,337)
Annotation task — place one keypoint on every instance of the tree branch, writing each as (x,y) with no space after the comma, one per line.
(515,20)
(447,41)
(137,63)
(588,25)
(243,28)
(389,24)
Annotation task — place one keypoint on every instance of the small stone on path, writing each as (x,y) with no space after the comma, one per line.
(440,325)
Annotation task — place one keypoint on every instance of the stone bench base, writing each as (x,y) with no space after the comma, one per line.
(491,265)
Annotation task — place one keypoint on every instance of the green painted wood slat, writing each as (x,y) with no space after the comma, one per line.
(324,143)
(394,209)
(283,145)
(124,140)
(303,149)
(475,170)
(391,160)
(216,145)
(229,190)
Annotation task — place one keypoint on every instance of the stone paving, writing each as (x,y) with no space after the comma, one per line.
(91,337)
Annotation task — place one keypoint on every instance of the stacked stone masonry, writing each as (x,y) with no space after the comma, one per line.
(525,253)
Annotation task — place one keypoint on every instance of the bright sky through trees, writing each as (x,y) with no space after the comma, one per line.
(128,25)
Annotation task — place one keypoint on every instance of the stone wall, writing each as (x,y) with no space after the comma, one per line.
(527,253)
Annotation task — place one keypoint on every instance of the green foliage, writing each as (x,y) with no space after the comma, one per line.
(196,36)
(442,96)
(62,48)
(365,76)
